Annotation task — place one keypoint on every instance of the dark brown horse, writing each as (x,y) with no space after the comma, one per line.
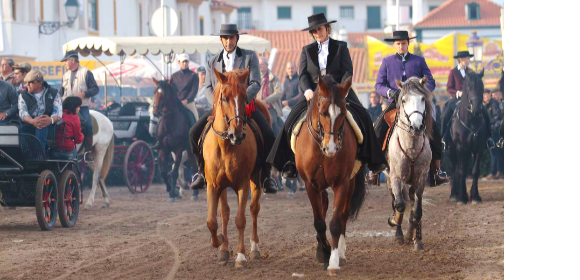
(172,134)
(230,152)
(326,157)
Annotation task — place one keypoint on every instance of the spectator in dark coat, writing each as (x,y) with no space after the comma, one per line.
(8,102)
(375,106)
(492,108)
(290,95)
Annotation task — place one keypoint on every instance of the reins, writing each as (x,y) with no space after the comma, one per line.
(224,134)
(319,135)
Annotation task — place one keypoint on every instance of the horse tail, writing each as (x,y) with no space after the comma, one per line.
(359,194)
(262,108)
(108,160)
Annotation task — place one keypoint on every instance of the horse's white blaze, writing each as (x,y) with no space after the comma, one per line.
(412,104)
(342,247)
(241,257)
(254,246)
(237,111)
(334,111)
(334,260)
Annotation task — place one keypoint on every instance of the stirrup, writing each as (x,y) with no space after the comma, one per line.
(265,183)
(85,157)
(440,173)
(490,144)
(444,145)
(285,174)
(500,143)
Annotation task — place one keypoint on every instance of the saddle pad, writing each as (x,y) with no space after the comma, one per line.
(349,117)
(390,118)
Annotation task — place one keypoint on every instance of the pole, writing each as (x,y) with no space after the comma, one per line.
(398,14)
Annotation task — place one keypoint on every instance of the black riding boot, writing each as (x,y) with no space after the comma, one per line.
(198,180)
(289,171)
(269,184)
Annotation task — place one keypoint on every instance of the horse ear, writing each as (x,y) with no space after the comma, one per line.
(424,80)
(399,84)
(156,82)
(481,74)
(220,77)
(323,88)
(346,86)
(243,78)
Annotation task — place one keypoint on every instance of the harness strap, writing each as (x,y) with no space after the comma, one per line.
(413,161)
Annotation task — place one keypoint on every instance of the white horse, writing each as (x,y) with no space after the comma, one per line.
(409,155)
(103,151)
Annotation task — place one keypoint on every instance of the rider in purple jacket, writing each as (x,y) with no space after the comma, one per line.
(401,66)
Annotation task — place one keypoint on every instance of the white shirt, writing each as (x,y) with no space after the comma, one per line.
(462,70)
(323,54)
(229,62)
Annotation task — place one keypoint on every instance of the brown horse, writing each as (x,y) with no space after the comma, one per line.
(230,152)
(171,133)
(326,158)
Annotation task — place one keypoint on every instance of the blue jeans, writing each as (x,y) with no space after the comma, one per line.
(41,134)
(88,128)
(63,155)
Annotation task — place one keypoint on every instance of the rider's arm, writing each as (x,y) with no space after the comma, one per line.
(426,72)
(254,78)
(345,63)
(23,110)
(193,92)
(382,84)
(305,77)
(92,87)
(451,85)
(208,90)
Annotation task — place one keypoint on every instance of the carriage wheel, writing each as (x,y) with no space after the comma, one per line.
(68,199)
(45,198)
(139,167)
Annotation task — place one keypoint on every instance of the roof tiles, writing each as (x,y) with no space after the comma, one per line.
(452,14)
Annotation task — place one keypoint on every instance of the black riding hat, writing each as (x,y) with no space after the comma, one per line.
(399,35)
(314,21)
(463,54)
(229,29)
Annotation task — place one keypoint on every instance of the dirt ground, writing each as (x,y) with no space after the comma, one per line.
(145,237)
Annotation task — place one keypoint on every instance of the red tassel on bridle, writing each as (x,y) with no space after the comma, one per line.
(250,108)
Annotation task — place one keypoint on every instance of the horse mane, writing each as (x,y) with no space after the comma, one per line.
(331,83)
(169,90)
(232,81)
(414,84)
(473,84)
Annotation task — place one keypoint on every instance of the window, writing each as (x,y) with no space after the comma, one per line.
(245,18)
(472,11)
(140,19)
(347,12)
(373,17)
(93,15)
(284,12)
(201,25)
(318,10)
(410,11)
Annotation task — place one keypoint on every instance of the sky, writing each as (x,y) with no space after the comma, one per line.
(499,2)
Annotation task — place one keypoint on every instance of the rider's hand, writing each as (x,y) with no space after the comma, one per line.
(459,93)
(184,102)
(81,95)
(2,116)
(308,94)
(284,103)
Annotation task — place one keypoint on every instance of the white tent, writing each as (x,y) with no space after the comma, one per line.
(143,45)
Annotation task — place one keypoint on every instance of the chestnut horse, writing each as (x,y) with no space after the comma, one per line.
(326,158)
(230,152)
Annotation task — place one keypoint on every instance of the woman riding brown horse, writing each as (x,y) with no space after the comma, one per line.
(327,158)
(230,152)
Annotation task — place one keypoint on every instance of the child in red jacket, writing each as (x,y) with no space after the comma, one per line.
(65,143)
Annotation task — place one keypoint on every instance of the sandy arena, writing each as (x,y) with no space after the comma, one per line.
(145,237)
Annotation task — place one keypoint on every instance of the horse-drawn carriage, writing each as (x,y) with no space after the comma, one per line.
(28,177)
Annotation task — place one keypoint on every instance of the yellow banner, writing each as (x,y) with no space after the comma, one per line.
(439,58)
(53,70)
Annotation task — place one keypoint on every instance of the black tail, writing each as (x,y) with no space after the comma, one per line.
(360,191)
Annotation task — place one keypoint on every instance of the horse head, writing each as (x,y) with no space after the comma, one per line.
(165,96)
(415,105)
(230,99)
(331,105)
(472,97)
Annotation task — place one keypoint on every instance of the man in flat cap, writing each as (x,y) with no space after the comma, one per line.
(79,81)
(20,71)
(39,106)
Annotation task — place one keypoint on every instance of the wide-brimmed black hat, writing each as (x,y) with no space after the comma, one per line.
(70,54)
(229,29)
(399,35)
(463,54)
(314,21)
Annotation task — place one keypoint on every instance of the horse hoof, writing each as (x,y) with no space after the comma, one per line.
(333,271)
(320,256)
(89,207)
(223,256)
(241,264)
(419,247)
(400,241)
(341,262)
(171,200)
(474,202)
(106,205)
(255,255)
(391,222)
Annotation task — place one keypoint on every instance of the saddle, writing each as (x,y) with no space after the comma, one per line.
(261,157)
(390,117)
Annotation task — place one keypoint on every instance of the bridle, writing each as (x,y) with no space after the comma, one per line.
(469,109)
(408,127)
(224,134)
(319,135)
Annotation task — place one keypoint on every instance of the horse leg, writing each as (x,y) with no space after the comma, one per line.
(105,193)
(474,194)
(324,204)
(345,215)
(316,201)
(243,194)
(414,233)
(212,225)
(96,177)
(340,202)
(411,230)
(164,163)
(175,173)
(399,207)
(460,176)
(254,210)
(224,252)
